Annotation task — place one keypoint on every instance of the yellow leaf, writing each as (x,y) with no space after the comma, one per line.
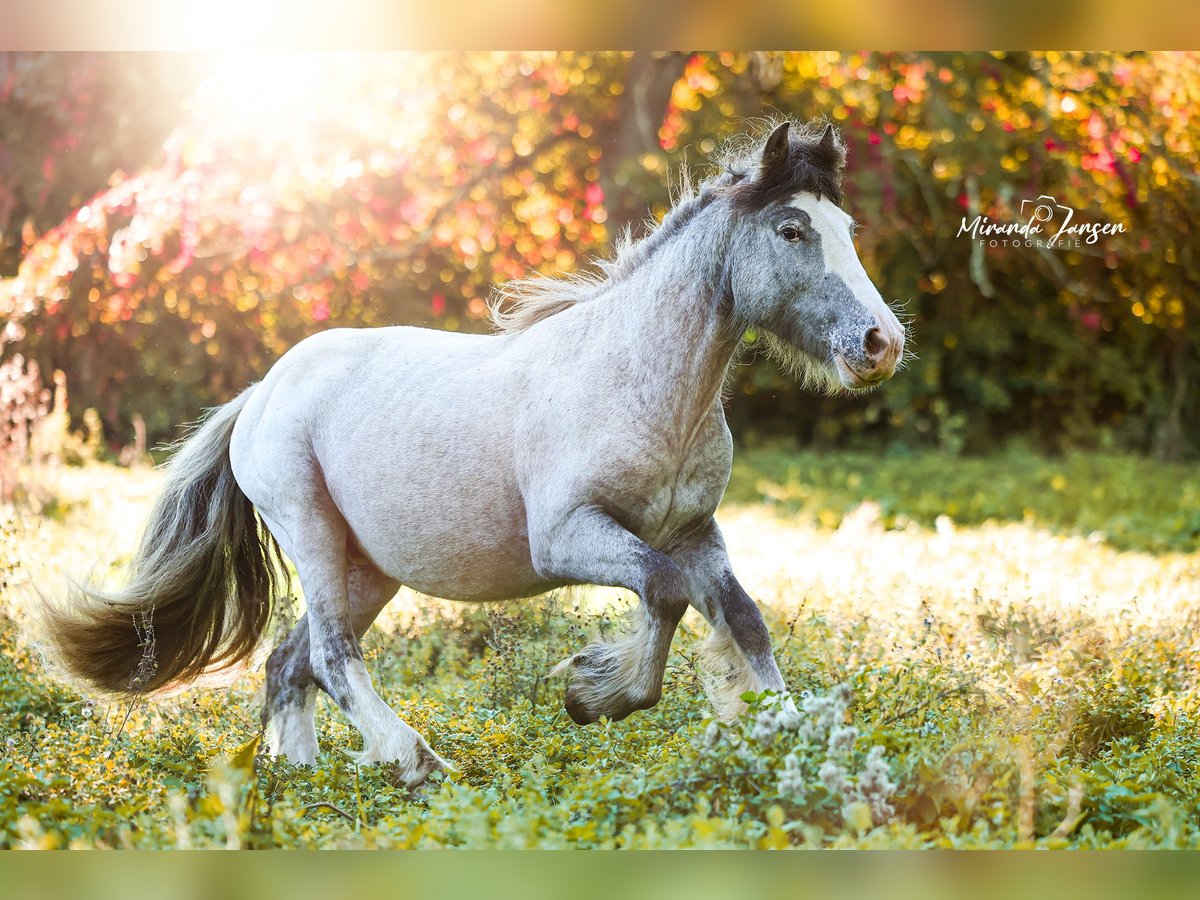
(857,815)
(774,839)
(244,758)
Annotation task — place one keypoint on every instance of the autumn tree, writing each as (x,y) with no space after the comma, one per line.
(304,191)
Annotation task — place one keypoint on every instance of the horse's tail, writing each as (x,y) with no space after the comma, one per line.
(201,586)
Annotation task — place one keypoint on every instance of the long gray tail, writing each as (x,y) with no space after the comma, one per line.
(201,586)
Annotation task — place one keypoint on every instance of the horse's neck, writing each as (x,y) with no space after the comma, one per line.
(671,319)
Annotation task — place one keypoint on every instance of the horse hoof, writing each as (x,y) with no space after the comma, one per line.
(579,713)
(582,715)
(416,778)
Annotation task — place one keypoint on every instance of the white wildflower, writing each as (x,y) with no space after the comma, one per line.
(825,713)
(841,739)
(788,718)
(791,779)
(834,777)
(875,786)
(765,727)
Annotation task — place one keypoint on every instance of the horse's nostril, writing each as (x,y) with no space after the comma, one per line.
(874,343)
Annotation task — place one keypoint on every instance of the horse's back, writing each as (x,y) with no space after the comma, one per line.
(401,346)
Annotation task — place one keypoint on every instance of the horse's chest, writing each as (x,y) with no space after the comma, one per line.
(659,504)
(674,508)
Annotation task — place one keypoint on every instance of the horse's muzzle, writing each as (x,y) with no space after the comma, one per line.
(876,360)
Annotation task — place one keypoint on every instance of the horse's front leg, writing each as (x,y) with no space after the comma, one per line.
(615,678)
(737,653)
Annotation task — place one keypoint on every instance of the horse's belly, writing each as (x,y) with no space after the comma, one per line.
(453,565)
(444,536)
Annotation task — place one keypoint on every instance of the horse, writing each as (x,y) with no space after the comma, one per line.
(583,442)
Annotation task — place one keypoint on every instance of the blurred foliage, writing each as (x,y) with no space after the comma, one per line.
(1124,501)
(23,403)
(1004,686)
(301,192)
(70,121)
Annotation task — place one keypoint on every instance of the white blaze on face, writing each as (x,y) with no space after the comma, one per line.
(833,226)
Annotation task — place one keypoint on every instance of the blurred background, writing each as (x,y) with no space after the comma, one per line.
(171,223)
(996,552)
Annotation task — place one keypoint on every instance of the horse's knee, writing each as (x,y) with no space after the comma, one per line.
(666,590)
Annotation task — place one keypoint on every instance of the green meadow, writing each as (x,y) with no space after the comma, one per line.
(983,652)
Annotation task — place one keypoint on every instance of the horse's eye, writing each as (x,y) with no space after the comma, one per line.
(791,233)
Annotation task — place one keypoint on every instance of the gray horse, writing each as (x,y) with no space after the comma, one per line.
(584,443)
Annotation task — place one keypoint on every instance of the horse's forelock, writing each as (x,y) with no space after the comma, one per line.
(812,165)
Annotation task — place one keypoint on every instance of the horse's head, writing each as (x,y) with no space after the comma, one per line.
(794,272)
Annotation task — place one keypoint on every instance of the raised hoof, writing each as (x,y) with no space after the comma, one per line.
(579,713)
(613,708)
(591,695)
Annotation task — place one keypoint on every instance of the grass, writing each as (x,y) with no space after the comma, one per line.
(1015,637)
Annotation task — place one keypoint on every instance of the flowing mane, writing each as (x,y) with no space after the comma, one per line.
(520,304)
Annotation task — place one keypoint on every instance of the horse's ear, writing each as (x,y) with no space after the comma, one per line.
(775,151)
(828,140)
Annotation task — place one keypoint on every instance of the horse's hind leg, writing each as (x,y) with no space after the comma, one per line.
(314,537)
(737,656)
(290,709)
(614,679)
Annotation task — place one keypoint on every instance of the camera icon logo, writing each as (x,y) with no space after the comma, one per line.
(1043,209)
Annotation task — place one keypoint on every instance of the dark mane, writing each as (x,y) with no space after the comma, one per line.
(811,166)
